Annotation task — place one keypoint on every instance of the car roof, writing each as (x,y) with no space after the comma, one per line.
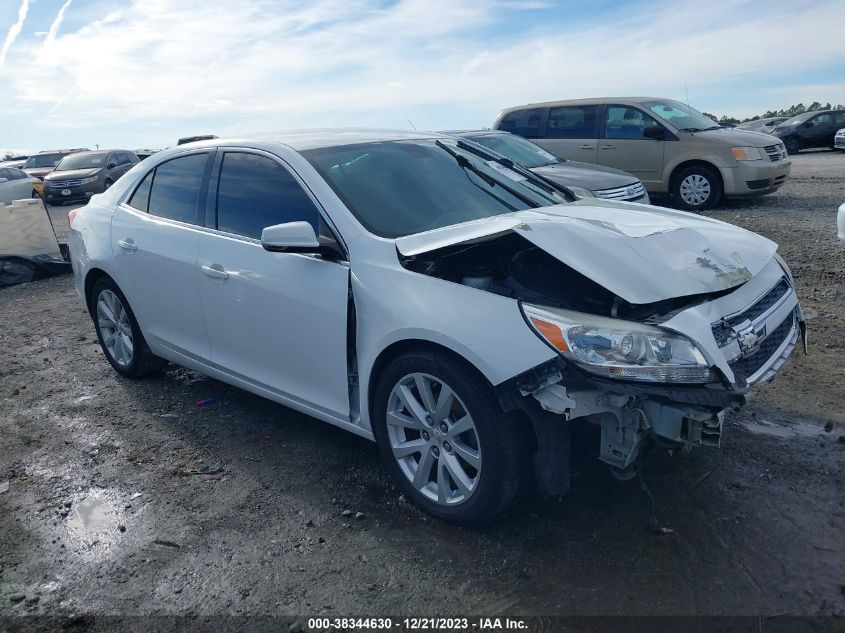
(477,132)
(300,140)
(590,101)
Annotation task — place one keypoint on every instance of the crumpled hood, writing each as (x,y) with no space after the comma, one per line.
(642,254)
(592,177)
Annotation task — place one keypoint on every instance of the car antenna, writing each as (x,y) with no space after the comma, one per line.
(412,124)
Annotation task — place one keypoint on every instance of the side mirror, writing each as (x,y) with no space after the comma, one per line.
(653,131)
(290,237)
(111,165)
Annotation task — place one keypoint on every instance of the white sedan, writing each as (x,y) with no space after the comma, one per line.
(442,301)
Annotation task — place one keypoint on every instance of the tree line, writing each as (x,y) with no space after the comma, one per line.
(791,111)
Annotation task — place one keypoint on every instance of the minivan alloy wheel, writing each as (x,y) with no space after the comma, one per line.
(695,189)
(115,327)
(434,439)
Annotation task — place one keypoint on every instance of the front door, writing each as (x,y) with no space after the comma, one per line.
(275,319)
(626,147)
(819,131)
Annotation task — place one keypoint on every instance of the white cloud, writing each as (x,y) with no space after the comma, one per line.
(301,63)
(57,22)
(14,30)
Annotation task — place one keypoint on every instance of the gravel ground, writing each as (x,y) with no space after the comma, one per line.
(128,498)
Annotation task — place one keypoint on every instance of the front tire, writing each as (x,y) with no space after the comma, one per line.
(793,145)
(120,337)
(697,188)
(445,439)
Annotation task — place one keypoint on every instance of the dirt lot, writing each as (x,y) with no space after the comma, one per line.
(128,498)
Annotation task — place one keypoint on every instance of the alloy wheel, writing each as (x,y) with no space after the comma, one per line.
(115,328)
(434,439)
(695,190)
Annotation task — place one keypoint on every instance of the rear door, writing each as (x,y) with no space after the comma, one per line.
(572,132)
(154,244)
(276,319)
(625,146)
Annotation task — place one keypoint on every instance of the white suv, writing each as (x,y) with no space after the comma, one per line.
(450,305)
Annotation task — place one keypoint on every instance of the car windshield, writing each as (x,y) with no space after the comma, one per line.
(81,161)
(516,148)
(797,120)
(42,160)
(682,117)
(397,188)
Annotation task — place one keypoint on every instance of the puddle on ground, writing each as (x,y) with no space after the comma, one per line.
(795,429)
(93,518)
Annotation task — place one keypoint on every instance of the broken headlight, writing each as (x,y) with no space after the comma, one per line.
(614,348)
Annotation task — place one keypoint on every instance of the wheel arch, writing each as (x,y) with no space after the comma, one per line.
(697,162)
(91,278)
(399,348)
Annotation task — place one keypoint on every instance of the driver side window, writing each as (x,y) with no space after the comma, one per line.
(625,122)
(255,192)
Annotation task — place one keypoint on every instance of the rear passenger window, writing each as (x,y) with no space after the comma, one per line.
(572,122)
(522,122)
(255,192)
(176,187)
(141,198)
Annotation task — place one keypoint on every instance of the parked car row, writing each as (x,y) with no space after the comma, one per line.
(811,129)
(425,292)
(669,146)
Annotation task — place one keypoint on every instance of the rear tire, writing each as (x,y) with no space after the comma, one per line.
(416,429)
(120,337)
(793,145)
(697,188)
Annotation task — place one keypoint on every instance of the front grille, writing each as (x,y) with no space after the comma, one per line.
(65,184)
(722,330)
(746,366)
(776,152)
(631,192)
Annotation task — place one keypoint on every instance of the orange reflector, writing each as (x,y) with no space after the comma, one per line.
(551,332)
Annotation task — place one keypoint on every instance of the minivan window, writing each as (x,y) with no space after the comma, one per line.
(176,187)
(9,173)
(823,119)
(523,122)
(398,188)
(255,192)
(682,117)
(81,161)
(42,160)
(624,122)
(572,122)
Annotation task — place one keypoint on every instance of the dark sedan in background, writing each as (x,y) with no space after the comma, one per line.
(810,129)
(79,176)
(592,180)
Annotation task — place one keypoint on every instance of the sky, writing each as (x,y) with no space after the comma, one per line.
(142,73)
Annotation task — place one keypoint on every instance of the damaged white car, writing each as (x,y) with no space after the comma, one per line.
(440,300)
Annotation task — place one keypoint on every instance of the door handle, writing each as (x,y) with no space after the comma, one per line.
(587,147)
(607,146)
(215,271)
(127,245)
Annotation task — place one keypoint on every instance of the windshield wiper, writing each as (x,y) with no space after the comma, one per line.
(467,165)
(507,162)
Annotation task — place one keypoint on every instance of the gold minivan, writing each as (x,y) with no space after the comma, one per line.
(671,147)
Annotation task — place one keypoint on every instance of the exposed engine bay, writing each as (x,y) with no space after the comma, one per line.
(511,266)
